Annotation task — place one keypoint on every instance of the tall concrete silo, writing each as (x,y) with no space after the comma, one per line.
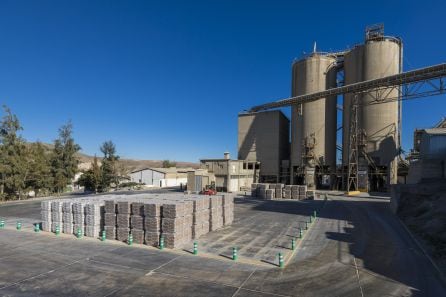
(378,57)
(314,121)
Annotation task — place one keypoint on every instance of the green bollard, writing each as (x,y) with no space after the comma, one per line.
(161,242)
(104,236)
(195,248)
(301,233)
(234,254)
(79,233)
(315,214)
(2,223)
(19,225)
(37,227)
(311,219)
(293,244)
(57,230)
(130,239)
(306,225)
(281,263)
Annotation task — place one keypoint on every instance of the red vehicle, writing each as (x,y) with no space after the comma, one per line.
(209,190)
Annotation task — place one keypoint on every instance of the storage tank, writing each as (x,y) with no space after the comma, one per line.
(314,73)
(378,57)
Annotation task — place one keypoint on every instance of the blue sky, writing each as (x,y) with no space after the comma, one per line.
(166,79)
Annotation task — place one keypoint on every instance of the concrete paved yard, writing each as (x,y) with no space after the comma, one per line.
(356,248)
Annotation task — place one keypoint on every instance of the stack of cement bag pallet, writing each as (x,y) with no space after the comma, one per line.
(216,213)
(280,191)
(123,220)
(94,218)
(110,219)
(56,215)
(176,223)
(200,216)
(67,217)
(137,222)
(147,217)
(46,215)
(228,209)
(152,222)
(287,192)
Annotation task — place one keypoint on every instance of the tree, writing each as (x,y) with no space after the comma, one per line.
(64,161)
(91,179)
(109,169)
(168,164)
(39,179)
(14,165)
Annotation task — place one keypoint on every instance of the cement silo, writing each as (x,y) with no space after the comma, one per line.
(380,56)
(313,123)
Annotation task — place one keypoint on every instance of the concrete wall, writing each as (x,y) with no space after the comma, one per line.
(264,137)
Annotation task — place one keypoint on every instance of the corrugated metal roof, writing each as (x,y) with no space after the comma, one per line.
(166,170)
(435,131)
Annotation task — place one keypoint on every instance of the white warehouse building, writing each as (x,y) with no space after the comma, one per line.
(160,177)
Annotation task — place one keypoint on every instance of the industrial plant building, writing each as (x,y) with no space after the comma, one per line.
(370,145)
(231,175)
(264,137)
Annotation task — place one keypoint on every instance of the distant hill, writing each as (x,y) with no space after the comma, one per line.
(130,164)
(133,165)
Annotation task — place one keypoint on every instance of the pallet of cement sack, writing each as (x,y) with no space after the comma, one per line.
(215,212)
(152,238)
(137,208)
(216,201)
(152,209)
(122,234)
(136,222)
(215,223)
(78,218)
(56,217)
(295,192)
(46,216)
(287,194)
(152,224)
(77,227)
(110,219)
(45,205)
(228,199)
(95,209)
(67,218)
(92,231)
(110,206)
(173,210)
(172,225)
(92,220)
(123,207)
(110,232)
(269,195)
(198,203)
(138,236)
(173,240)
(46,226)
(187,234)
(67,207)
(302,189)
(67,228)
(228,219)
(78,208)
(56,206)
(261,193)
(123,220)
(311,195)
